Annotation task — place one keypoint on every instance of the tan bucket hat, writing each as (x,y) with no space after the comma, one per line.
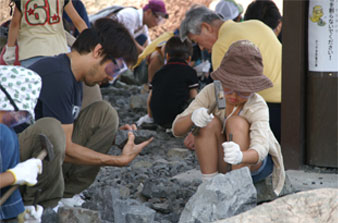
(241,69)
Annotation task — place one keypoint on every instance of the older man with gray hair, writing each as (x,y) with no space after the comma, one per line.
(210,32)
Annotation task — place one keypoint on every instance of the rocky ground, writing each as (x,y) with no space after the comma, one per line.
(148,178)
(147,182)
(146,189)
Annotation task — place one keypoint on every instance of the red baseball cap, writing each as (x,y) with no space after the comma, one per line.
(158,7)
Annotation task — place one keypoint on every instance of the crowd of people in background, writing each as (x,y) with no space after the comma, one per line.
(64,54)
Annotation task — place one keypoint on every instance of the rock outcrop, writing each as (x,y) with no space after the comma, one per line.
(223,196)
(314,206)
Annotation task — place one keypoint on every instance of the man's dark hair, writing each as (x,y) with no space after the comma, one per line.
(175,48)
(115,39)
(265,11)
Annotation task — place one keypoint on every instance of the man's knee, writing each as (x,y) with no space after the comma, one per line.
(49,127)
(56,136)
(109,115)
(106,108)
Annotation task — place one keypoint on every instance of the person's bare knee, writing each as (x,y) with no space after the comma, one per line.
(239,128)
(207,145)
(215,126)
(237,124)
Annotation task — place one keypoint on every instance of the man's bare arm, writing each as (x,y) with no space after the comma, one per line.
(78,154)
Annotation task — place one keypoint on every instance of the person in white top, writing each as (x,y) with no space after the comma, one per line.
(238,135)
(137,21)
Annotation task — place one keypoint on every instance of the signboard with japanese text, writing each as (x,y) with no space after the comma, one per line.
(323,35)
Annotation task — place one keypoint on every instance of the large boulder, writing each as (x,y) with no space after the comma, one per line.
(264,187)
(320,205)
(223,196)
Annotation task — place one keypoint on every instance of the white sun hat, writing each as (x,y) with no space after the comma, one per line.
(22,85)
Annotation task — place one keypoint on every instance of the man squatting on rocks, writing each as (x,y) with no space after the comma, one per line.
(246,117)
(81,139)
(210,32)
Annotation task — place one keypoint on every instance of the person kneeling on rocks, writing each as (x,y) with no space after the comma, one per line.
(174,85)
(86,135)
(246,117)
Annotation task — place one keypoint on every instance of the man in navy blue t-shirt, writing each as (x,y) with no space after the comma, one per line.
(98,55)
(61,94)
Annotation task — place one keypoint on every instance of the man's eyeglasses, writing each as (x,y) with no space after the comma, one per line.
(244,95)
(115,69)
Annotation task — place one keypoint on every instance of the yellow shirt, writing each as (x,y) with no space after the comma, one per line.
(265,39)
(159,41)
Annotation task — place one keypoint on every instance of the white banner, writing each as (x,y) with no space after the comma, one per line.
(323,35)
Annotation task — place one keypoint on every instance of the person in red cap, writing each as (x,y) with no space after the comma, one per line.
(137,21)
(245,116)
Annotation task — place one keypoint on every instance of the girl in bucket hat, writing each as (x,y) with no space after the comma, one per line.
(19,91)
(245,117)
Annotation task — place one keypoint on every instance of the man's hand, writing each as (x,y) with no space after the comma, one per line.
(201,118)
(232,153)
(189,141)
(9,55)
(131,150)
(26,172)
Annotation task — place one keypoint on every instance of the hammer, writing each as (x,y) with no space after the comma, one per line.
(47,152)
(220,103)
(229,166)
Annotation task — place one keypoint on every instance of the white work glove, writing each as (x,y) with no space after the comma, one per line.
(9,55)
(201,118)
(27,172)
(144,119)
(232,153)
(32,215)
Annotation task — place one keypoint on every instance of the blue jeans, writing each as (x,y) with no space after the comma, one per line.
(26,63)
(264,170)
(9,158)
(141,39)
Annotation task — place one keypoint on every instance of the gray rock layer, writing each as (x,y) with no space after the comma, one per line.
(78,215)
(223,196)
